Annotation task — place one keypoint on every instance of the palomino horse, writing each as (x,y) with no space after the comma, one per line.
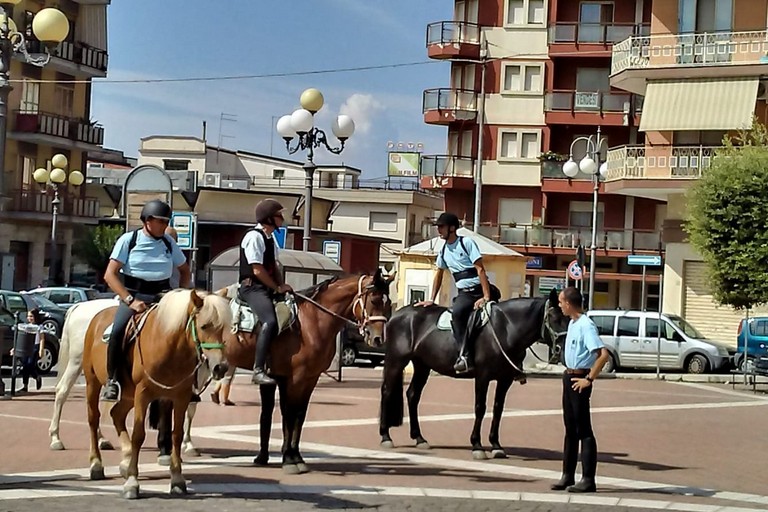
(181,334)
(413,336)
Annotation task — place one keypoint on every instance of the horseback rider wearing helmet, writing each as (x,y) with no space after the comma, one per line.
(261,280)
(146,259)
(461,256)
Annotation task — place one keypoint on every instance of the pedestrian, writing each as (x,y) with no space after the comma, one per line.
(221,389)
(585,356)
(29,360)
(175,275)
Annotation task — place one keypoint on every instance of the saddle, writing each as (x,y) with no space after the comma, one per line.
(133,328)
(243,319)
(444,320)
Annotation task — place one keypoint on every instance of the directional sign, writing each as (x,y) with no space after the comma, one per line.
(185,224)
(574,270)
(332,249)
(280,234)
(644,260)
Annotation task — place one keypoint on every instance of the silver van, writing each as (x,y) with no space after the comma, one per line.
(631,339)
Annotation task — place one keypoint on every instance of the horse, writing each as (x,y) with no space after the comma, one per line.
(412,335)
(171,341)
(70,366)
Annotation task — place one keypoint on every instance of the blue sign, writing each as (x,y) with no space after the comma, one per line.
(535,262)
(280,235)
(185,224)
(643,259)
(332,249)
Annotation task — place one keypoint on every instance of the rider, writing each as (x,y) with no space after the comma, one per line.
(461,256)
(146,258)
(261,280)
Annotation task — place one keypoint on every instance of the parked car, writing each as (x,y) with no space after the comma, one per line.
(68,296)
(755,332)
(354,347)
(53,320)
(631,340)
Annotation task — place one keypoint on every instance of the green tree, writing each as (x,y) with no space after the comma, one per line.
(95,245)
(728,220)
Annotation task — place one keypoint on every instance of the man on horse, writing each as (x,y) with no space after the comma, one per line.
(146,258)
(461,256)
(261,280)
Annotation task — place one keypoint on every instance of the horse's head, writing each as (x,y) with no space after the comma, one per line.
(372,307)
(554,326)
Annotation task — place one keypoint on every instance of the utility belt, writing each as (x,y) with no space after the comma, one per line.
(136,285)
(465,274)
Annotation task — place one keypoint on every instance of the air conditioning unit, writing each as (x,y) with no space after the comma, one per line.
(235,184)
(212,179)
(762,90)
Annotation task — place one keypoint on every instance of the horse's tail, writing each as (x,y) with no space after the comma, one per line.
(392,405)
(64,343)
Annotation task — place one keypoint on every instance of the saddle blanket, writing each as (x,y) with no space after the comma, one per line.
(132,329)
(243,319)
(444,320)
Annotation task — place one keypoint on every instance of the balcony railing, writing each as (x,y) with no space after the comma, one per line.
(453,32)
(37,202)
(704,49)
(569,237)
(659,162)
(450,99)
(594,33)
(75,52)
(57,125)
(447,165)
(583,101)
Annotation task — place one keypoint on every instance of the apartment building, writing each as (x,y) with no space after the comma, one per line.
(49,114)
(546,67)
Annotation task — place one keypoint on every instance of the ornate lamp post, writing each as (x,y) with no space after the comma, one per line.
(52,179)
(51,27)
(591,165)
(301,124)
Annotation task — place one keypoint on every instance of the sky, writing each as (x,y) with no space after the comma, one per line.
(172,39)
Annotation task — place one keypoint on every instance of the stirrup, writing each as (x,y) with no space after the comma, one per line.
(106,398)
(462,365)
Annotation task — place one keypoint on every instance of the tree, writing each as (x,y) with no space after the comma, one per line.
(95,246)
(728,220)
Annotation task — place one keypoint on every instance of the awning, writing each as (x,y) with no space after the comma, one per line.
(714,104)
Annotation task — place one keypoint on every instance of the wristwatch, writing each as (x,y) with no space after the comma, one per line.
(128,300)
(589,379)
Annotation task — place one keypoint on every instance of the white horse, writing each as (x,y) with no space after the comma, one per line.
(76,323)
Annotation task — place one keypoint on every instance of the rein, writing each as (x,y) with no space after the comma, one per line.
(553,334)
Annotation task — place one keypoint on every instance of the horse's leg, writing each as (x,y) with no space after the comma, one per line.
(502,386)
(301,415)
(288,410)
(131,486)
(63,387)
(187,448)
(418,381)
(178,484)
(391,408)
(94,415)
(164,425)
(481,393)
(119,413)
(265,423)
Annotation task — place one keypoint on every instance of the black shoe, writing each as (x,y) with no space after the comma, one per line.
(463,365)
(111,391)
(261,378)
(194,399)
(38,382)
(563,483)
(585,485)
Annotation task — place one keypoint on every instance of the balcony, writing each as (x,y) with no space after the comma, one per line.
(453,39)
(47,128)
(680,56)
(445,106)
(34,202)
(74,58)
(583,107)
(565,239)
(569,37)
(447,171)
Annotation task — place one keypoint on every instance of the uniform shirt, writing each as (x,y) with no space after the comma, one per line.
(582,343)
(254,246)
(455,259)
(149,259)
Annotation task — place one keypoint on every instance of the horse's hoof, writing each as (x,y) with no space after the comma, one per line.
(97,473)
(261,460)
(498,454)
(123,469)
(303,468)
(192,452)
(479,455)
(132,493)
(388,444)
(291,469)
(163,460)
(57,445)
(423,445)
(179,489)
(105,445)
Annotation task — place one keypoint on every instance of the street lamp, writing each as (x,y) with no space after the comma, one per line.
(51,27)
(591,165)
(52,179)
(301,123)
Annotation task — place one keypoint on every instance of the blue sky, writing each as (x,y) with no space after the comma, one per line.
(151,39)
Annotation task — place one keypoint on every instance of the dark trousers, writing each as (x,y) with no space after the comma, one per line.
(259,299)
(29,368)
(463,305)
(115,348)
(578,429)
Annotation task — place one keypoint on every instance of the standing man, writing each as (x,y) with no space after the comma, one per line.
(175,276)
(261,280)
(585,356)
(462,257)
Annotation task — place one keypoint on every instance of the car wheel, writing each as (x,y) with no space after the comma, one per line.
(50,326)
(697,363)
(46,363)
(750,365)
(348,356)
(610,364)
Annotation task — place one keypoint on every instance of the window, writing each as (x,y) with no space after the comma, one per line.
(519,145)
(604,324)
(509,147)
(593,16)
(580,215)
(759,328)
(652,329)
(65,98)
(60,297)
(416,295)
(628,326)
(522,78)
(382,221)
(525,12)
(278,174)
(176,165)
(30,97)
(27,165)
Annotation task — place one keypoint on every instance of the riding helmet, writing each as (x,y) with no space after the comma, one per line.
(266,209)
(156,209)
(448,219)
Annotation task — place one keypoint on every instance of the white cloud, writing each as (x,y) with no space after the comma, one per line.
(362,108)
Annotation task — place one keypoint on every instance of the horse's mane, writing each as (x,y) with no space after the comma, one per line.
(314,290)
(173,311)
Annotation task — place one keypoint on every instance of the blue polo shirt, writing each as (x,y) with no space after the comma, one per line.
(454,258)
(149,259)
(582,343)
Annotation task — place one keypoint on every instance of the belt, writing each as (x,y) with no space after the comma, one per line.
(465,274)
(576,371)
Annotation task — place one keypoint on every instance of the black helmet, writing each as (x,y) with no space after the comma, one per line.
(448,219)
(266,209)
(157,209)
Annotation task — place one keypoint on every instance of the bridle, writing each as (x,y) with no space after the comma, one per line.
(546,328)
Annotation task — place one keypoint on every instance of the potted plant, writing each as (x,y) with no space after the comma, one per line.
(535,232)
(552,164)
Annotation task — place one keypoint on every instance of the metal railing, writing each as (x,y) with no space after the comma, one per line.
(447,165)
(38,202)
(453,32)
(595,33)
(584,101)
(449,99)
(76,52)
(658,162)
(702,49)
(571,237)
(260,182)
(56,125)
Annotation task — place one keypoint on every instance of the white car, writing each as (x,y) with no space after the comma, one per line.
(68,296)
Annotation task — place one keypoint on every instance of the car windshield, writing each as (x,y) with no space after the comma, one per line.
(42,301)
(687,328)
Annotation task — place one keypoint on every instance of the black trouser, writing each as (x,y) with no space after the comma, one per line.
(122,317)
(29,367)
(578,428)
(259,299)
(463,305)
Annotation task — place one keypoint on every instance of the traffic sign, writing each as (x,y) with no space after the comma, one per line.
(574,270)
(280,234)
(332,249)
(185,224)
(646,260)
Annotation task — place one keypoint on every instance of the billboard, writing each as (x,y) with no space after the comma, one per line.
(403,164)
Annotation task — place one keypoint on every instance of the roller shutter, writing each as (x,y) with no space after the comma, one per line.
(719,323)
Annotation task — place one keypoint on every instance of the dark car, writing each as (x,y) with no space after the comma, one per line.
(354,347)
(53,321)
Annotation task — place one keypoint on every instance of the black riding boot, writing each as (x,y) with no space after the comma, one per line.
(260,377)
(111,391)
(466,361)
(588,466)
(570,460)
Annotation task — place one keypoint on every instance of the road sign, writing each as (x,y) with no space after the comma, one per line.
(332,249)
(574,270)
(645,260)
(280,235)
(184,223)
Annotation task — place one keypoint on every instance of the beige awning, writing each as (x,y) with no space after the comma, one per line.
(715,104)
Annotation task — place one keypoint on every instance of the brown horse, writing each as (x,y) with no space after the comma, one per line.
(183,333)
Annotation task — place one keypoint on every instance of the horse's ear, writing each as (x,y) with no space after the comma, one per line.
(553,297)
(391,277)
(222,292)
(196,299)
